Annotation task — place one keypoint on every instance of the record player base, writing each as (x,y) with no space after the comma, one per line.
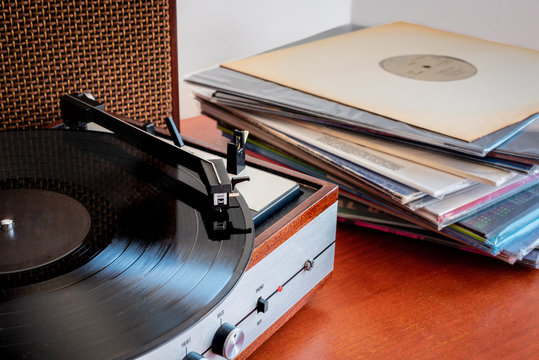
(284,278)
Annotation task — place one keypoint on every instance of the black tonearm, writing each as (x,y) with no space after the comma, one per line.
(80,109)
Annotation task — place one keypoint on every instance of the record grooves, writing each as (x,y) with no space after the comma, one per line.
(135,261)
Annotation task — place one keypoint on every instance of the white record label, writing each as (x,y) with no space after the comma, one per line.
(429,67)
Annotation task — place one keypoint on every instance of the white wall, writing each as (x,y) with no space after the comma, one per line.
(509,21)
(213,31)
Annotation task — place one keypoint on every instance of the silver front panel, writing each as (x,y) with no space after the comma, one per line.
(281,268)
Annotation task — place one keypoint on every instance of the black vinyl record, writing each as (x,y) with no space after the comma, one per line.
(104,254)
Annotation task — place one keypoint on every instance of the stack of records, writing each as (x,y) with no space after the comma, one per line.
(436,130)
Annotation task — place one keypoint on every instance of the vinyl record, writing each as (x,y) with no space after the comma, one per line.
(103,253)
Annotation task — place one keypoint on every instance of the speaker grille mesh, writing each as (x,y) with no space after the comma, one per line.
(117,50)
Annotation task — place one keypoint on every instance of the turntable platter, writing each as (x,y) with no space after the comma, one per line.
(109,255)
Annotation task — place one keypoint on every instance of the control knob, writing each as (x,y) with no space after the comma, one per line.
(194,356)
(228,341)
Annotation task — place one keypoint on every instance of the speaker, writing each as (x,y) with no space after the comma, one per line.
(123,52)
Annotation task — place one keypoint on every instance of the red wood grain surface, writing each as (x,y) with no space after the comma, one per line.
(391,297)
(397,298)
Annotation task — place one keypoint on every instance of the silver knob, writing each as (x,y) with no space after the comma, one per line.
(194,356)
(228,341)
(308,265)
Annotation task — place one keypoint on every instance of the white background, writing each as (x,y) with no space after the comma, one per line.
(510,21)
(213,31)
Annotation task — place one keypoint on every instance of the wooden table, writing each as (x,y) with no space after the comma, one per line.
(396,298)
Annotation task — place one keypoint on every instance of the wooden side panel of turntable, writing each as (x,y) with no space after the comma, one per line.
(289,224)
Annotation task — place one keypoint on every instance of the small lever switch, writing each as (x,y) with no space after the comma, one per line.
(261,305)
(238,179)
(174,133)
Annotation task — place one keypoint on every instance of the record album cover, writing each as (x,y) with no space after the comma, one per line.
(452,84)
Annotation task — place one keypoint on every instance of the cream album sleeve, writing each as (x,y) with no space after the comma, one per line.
(452,84)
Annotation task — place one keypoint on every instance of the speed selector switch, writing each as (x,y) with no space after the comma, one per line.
(228,341)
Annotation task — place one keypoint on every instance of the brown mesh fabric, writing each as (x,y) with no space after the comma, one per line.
(117,50)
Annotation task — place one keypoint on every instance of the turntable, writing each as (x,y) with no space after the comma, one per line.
(128,245)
